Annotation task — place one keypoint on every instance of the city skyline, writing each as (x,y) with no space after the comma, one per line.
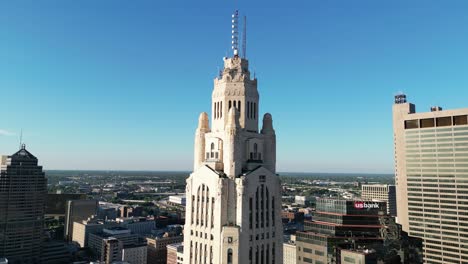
(96,82)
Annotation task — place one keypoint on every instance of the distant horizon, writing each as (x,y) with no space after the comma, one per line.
(187,171)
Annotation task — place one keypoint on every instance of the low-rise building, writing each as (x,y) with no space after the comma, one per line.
(358,256)
(157,247)
(76,211)
(177,199)
(301,200)
(111,250)
(55,252)
(289,251)
(175,253)
(81,230)
(138,225)
(97,240)
(135,254)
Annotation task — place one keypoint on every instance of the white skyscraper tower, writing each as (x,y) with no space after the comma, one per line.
(233,212)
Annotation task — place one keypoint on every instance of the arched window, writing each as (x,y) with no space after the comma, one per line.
(255,150)
(212,150)
(229,256)
(221,109)
(230,104)
(234,103)
(239,106)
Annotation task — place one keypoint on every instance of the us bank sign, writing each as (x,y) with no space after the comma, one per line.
(365,205)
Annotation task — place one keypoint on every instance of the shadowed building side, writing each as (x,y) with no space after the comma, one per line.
(23,190)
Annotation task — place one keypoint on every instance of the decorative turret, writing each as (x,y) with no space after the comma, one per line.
(270,143)
(202,129)
(267,127)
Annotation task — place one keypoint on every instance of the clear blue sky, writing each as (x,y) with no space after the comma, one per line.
(119,84)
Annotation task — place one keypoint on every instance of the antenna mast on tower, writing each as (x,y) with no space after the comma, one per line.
(21,138)
(244,39)
(235,33)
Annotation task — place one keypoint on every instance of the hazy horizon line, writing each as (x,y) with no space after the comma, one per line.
(184,171)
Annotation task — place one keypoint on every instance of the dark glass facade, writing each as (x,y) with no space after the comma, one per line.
(342,224)
(23,190)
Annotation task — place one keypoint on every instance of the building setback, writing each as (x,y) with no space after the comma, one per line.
(23,190)
(233,197)
(431,175)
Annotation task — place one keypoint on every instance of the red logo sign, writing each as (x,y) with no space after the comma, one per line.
(362,205)
(358,205)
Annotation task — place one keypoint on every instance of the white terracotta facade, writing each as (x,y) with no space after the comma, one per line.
(233,212)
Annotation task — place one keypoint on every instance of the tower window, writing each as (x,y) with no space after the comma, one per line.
(250,212)
(239,106)
(230,104)
(255,151)
(229,256)
(221,109)
(255,111)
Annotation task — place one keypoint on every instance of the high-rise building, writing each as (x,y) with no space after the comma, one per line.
(431,175)
(23,190)
(381,192)
(343,224)
(77,211)
(233,210)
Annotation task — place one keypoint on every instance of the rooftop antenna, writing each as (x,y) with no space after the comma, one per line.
(244,39)
(21,139)
(235,33)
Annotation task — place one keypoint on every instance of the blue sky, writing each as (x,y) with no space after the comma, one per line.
(119,84)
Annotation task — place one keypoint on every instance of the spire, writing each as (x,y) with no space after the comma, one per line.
(244,39)
(235,33)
